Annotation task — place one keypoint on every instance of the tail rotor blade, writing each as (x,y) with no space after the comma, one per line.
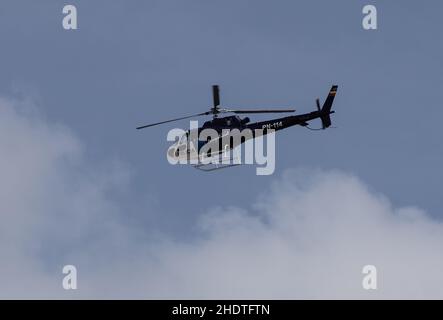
(318,104)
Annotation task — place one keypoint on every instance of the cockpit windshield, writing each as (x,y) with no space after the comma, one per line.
(183,139)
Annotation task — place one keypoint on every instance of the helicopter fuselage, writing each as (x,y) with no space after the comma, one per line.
(229,132)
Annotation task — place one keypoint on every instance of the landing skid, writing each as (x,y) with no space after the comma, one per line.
(217,163)
(214,166)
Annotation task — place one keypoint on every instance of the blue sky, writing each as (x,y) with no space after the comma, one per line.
(135,62)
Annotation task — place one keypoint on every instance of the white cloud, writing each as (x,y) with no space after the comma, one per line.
(309,236)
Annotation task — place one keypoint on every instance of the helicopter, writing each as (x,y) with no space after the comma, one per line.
(228,129)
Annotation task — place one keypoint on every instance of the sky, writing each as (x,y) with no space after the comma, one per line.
(81,186)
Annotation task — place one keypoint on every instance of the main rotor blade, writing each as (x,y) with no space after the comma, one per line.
(216,95)
(259,111)
(187,117)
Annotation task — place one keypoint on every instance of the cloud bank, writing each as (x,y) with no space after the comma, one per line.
(308,236)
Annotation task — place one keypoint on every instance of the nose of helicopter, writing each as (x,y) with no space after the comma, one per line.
(172,152)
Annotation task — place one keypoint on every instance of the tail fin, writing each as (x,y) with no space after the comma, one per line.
(326,109)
